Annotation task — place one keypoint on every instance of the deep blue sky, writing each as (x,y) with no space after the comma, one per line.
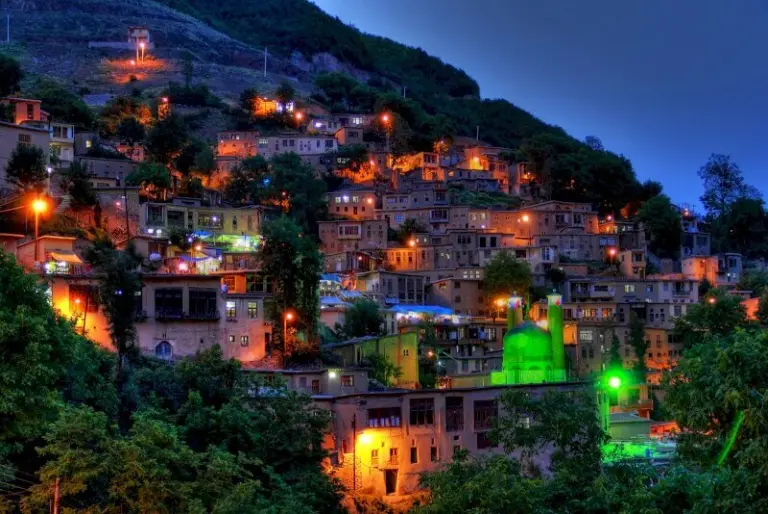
(664,82)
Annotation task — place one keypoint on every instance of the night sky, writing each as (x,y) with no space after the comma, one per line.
(665,83)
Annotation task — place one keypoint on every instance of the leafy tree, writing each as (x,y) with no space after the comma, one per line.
(407,228)
(36,346)
(293,187)
(119,277)
(704,287)
(166,139)
(663,224)
(76,182)
(639,344)
(718,314)
(251,173)
(506,275)
(723,185)
(744,229)
(614,359)
(555,276)
(285,92)
(154,178)
(383,370)
(195,153)
(362,318)
(205,162)
(594,143)
(762,309)
(755,281)
(26,168)
(131,130)
(354,156)
(248,98)
(10,75)
(291,261)
(61,103)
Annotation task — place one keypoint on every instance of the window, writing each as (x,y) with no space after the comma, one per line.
(422,411)
(491,333)
(484,441)
(585,335)
(244,340)
(302,382)
(433,455)
(168,302)
(231,310)
(393,457)
(315,387)
(406,352)
(414,455)
(629,288)
(374,457)
(164,350)
(454,413)
(384,417)
(456,449)
(253,310)
(231,339)
(485,414)
(25,139)
(30,112)
(234,222)
(649,288)
(347,381)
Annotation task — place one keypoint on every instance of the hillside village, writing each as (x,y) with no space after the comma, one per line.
(361,252)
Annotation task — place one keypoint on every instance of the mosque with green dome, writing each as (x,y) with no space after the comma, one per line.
(532,354)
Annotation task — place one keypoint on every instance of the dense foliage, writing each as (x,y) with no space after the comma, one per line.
(198,436)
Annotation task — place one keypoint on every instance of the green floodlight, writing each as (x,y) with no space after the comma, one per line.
(614,382)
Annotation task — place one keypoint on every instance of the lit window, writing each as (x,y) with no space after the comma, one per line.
(231,309)
(253,310)
(244,340)
(629,288)
(347,381)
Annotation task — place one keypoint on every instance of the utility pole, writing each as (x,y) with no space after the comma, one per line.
(404,89)
(354,452)
(265,62)
(125,206)
(477,133)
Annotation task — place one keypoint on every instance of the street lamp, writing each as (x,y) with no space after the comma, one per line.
(142,45)
(288,316)
(385,120)
(38,206)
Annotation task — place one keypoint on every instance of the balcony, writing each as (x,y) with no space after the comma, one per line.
(173,314)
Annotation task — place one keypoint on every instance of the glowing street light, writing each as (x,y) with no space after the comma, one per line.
(614,382)
(412,243)
(38,206)
(612,252)
(299,116)
(365,438)
(526,218)
(385,118)
(712,300)
(288,316)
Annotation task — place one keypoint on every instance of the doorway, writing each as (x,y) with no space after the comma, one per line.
(390,481)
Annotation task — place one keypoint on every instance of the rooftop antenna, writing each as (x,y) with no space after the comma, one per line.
(477,134)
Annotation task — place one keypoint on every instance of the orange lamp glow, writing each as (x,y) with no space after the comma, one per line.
(612,252)
(165,99)
(198,247)
(369,200)
(299,116)
(77,301)
(385,118)
(526,218)
(39,206)
(142,45)
(412,243)
(289,316)
(365,438)
(712,300)
(430,353)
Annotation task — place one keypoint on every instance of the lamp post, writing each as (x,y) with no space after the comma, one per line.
(142,45)
(412,244)
(49,169)
(38,206)
(287,316)
(385,120)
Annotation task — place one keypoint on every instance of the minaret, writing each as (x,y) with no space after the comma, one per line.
(555,324)
(514,312)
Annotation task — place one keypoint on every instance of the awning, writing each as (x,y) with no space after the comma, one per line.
(64,256)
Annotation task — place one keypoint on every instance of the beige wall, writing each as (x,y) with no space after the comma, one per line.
(10,136)
(369,235)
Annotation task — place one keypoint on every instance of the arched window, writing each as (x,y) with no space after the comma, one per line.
(164,350)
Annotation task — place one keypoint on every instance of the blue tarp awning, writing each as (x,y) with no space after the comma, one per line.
(434,310)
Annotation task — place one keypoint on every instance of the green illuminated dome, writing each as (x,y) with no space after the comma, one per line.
(527,356)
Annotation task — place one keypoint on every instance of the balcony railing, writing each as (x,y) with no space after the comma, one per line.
(178,315)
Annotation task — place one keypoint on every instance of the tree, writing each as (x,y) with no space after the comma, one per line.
(506,275)
(61,103)
(293,187)
(755,281)
(663,224)
(195,157)
(719,313)
(130,130)
(76,182)
(555,276)
(292,263)
(723,185)
(248,99)
(383,370)
(639,344)
(154,178)
(10,75)
(352,156)
(245,177)
(407,228)
(362,318)
(614,360)
(166,139)
(594,143)
(284,93)
(744,229)
(119,277)
(26,168)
